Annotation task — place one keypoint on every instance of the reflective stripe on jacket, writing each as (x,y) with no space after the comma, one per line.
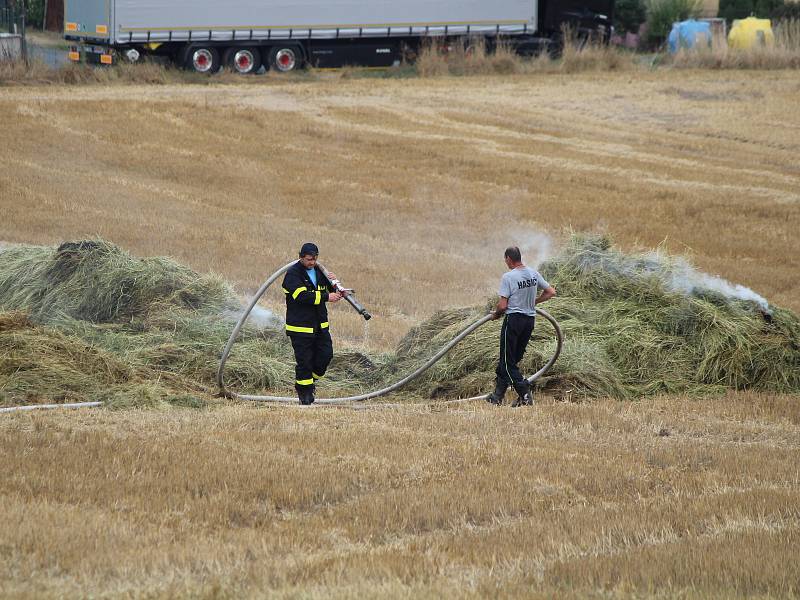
(306,311)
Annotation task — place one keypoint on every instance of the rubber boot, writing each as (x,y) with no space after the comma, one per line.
(496,397)
(306,395)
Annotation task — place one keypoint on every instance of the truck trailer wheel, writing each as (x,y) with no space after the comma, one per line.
(244,61)
(203,59)
(285,59)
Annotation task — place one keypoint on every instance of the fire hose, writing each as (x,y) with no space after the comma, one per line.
(360,309)
(334,401)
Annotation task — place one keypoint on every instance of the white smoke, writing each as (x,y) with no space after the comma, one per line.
(675,274)
(678,275)
(687,279)
(264,318)
(536,246)
(259,317)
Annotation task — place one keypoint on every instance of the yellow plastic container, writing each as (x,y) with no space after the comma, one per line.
(751,33)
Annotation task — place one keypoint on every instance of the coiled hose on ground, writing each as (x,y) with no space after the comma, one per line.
(378,393)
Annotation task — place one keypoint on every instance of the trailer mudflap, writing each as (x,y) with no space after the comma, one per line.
(93,55)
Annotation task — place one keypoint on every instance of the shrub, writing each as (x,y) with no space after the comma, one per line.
(591,55)
(629,15)
(661,14)
(35,13)
(790,10)
(473,58)
(787,38)
(741,9)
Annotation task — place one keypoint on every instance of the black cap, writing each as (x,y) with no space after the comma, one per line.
(309,248)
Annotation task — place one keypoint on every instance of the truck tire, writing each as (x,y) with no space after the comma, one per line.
(244,61)
(286,59)
(203,59)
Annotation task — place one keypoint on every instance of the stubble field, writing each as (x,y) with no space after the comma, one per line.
(412,188)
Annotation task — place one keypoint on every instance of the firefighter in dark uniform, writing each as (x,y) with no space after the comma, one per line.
(307,291)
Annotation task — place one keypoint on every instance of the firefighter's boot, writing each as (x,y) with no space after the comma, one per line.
(496,397)
(306,395)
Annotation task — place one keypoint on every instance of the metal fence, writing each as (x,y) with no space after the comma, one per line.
(12,30)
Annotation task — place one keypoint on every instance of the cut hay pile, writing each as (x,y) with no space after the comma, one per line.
(634,325)
(87,321)
(100,324)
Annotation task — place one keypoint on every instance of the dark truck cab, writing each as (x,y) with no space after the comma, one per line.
(586,18)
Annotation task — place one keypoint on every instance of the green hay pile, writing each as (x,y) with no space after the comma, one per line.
(634,325)
(88,321)
(98,282)
(89,305)
(44,364)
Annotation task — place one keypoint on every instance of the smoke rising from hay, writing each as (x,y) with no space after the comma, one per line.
(265,318)
(689,280)
(674,274)
(536,246)
(678,275)
(259,317)
(634,325)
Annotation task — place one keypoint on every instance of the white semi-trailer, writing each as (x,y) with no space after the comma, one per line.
(284,35)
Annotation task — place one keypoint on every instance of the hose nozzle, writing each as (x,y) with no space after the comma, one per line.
(359,309)
(349,297)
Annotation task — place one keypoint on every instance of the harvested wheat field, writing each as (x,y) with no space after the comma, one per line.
(661,459)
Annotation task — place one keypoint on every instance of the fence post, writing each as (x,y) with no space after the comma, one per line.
(24,41)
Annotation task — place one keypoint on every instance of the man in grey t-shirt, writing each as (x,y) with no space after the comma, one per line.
(518,300)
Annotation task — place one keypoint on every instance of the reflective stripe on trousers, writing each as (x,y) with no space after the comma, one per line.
(514,337)
(312,356)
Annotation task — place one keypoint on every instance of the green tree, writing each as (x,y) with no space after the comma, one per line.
(741,9)
(790,10)
(661,14)
(628,15)
(34,11)
(767,8)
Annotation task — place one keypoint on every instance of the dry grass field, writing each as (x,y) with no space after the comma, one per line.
(412,188)
(673,497)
